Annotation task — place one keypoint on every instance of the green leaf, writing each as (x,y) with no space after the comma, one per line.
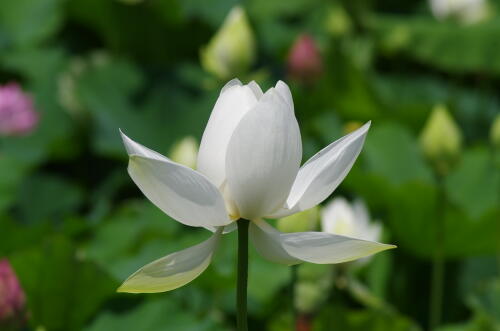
(28,22)
(154,315)
(47,197)
(392,152)
(445,45)
(473,185)
(63,290)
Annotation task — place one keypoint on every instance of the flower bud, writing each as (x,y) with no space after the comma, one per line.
(304,60)
(464,11)
(337,21)
(304,221)
(231,51)
(495,132)
(185,152)
(17,113)
(441,139)
(12,299)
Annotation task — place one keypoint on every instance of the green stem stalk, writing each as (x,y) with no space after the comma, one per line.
(438,267)
(293,282)
(242,280)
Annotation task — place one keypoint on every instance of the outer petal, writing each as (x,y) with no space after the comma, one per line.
(314,247)
(184,194)
(174,270)
(233,103)
(285,93)
(263,157)
(322,173)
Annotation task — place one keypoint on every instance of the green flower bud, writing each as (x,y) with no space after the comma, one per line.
(185,152)
(337,21)
(495,132)
(231,51)
(304,221)
(441,139)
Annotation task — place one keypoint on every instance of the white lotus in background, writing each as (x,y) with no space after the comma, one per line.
(352,220)
(465,11)
(248,167)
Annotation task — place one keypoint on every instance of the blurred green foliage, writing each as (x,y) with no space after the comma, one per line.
(74,225)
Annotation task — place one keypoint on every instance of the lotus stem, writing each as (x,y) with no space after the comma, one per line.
(242,280)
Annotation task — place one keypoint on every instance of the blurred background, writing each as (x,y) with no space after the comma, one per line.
(73,225)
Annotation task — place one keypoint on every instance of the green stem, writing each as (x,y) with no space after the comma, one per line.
(436,300)
(293,281)
(436,290)
(241,287)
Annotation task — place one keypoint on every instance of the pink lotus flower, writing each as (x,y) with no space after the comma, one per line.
(17,114)
(304,60)
(12,299)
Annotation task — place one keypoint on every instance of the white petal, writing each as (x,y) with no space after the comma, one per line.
(285,93)
(233,103)
(231,83)
(263,157)
(173,270)
(322,173)
(257,91)
(180,192)
(314,247)
(266,241)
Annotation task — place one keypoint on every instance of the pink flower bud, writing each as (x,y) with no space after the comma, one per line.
(12,299)
(17,114)
(304,60)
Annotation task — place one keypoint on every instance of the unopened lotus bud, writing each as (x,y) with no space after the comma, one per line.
(12,299)
(304,221)
(464,11)
(495,132)
(17,113)
(185,152)
(231,51)
(337,21)
(305,63)
(441,139)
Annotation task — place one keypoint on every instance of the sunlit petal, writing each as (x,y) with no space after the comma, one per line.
(174,270)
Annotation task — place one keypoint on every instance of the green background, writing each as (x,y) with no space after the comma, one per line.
(74,226)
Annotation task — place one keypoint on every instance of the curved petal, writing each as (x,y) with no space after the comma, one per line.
(322,173)
(263,157)
(179,191)
(234,101)
(314,247)
(257,91)
(266,241)
(285,93)
(174,270)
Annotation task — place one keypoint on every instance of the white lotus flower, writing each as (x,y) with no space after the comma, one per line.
(340,217)
(248,167)
(465,11)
